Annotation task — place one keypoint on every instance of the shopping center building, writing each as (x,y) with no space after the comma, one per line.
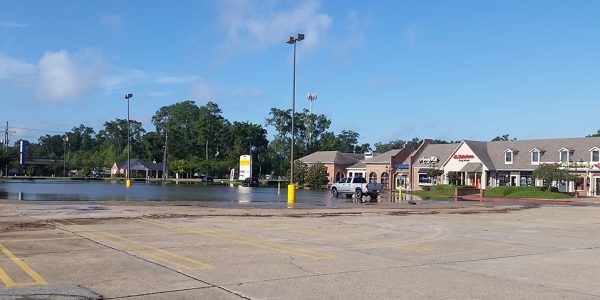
(479,164)
(511,163)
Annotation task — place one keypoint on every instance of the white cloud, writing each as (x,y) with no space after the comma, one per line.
(62,76)
(119,79)
(411,34)
(203,92)
(256,25)
(352,37)
(177,79)
(112,21)
(12,24)
(156,94)
(12,67)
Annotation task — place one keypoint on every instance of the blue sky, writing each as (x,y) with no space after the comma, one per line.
(390,70)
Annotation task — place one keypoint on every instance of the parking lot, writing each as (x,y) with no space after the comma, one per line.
(138,252)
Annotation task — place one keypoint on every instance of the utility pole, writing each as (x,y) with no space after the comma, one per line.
(6,149)
(165,154)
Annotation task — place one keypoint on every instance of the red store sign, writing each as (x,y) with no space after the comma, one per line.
(464,156)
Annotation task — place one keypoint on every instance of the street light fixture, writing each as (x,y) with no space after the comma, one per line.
(292,40)
(128,181)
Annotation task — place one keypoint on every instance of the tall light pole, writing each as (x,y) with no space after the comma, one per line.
(128,181)
(291,187)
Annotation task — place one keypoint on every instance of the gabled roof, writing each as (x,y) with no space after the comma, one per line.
(332,157)
(359,165)
(383,158)
(579,148)
(480,149)
(140,165)
(441,151)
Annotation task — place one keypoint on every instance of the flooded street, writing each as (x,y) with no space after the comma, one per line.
(214,195)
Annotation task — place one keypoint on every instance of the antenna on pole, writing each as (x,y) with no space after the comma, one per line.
(311,97)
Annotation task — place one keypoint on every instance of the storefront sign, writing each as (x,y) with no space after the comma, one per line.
(429,160)
(402,166)
(464,157)
(576,166)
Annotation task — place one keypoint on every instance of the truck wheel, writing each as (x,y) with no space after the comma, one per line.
(358,194)
(334,192)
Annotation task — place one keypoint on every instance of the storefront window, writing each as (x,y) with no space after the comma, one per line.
(424,178)
(503,178)
(385,177)
(373,177)
(526,179)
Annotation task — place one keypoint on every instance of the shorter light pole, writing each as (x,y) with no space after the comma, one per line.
(128,181)
(66,140)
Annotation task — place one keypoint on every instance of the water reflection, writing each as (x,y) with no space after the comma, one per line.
(207,195)
(213,195)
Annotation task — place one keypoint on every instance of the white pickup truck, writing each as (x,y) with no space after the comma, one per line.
(356,186)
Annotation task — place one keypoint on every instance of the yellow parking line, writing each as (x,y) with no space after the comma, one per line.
(9,282)
(39,239)
(347,238)
(145,250)
(241,240)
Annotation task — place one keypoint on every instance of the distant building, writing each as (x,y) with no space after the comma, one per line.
(336,162)
(139,169)
(483,164)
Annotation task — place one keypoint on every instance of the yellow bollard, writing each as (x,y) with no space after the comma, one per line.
(128,183)
(291,193)
(399,194)
(278,187)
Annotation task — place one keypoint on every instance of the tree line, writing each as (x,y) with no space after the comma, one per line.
(199,139)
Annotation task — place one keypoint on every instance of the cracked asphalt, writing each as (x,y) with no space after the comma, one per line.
(137,251)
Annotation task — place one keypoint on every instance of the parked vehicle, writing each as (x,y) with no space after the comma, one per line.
(356,186)
(250,181)
(206,179)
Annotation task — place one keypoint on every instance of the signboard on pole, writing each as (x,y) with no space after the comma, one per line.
(245,167)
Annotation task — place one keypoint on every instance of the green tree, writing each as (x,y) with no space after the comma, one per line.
(348,139)
(385,147)
(505,137)
(178,166)
(597,134)
(550,173)
(179,120)
(299,172)
(434,173)
(316,175)
(453,178)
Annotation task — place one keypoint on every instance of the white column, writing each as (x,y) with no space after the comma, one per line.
(483,179)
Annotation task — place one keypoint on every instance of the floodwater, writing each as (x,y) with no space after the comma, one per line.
(213,195)
(209,195)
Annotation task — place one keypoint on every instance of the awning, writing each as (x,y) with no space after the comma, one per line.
(471,167)
(424,170)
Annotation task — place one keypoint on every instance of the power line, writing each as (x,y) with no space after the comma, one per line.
(35,129)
